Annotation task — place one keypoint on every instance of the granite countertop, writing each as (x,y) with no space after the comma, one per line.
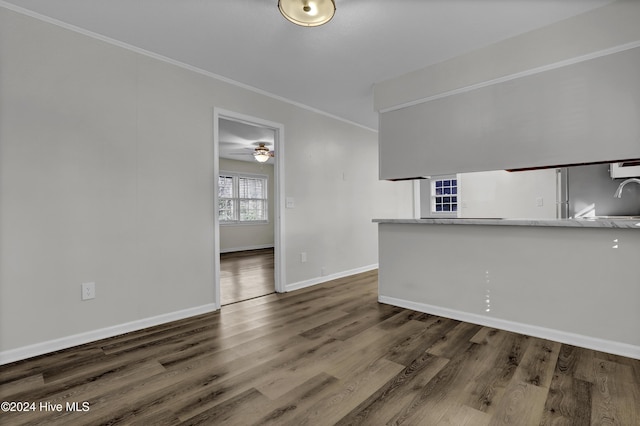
(629,223)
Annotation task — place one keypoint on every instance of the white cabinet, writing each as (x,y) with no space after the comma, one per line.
(584,112)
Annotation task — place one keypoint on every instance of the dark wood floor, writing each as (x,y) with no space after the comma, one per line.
(329,354)
(245,275)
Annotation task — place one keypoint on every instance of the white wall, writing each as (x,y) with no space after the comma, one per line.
(337,194)
(501,194)
(237,237)
(106,159)
(505,194)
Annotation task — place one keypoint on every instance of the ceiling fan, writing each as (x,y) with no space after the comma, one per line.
(261,153)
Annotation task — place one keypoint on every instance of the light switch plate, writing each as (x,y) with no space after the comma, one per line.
(290,203)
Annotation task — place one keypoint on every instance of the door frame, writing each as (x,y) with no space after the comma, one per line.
(278,185)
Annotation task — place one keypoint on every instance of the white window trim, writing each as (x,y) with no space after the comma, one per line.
(432,197)
(247,222)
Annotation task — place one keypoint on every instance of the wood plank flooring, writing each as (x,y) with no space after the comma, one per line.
(325,355)
(245,275)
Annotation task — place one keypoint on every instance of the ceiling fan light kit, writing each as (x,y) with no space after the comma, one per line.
(262,154)
(261,158)
(307,13)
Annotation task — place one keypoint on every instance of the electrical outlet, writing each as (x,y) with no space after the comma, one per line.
(88,291)
(539,201)
(303,257)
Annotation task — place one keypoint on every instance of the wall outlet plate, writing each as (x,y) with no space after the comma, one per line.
(88,291)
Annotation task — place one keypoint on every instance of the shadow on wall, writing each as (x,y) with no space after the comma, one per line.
(592,188)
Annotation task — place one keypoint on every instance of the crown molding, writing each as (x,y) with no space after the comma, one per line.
(174,62)
(533,71)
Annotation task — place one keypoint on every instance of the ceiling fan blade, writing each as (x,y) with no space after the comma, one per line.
(232,144)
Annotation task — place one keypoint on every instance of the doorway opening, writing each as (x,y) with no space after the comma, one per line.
(248,205)
(246,274)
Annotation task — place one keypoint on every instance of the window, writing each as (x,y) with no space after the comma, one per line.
(242,198)
(444,196)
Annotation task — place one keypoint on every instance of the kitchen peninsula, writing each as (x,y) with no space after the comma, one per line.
(519,105)
(575,281)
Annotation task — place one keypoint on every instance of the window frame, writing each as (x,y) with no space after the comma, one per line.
(434,195)
(236,176)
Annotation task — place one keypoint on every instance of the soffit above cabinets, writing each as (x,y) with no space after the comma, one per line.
(581,113)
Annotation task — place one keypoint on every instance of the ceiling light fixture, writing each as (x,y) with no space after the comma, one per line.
(262,153)
(307,13)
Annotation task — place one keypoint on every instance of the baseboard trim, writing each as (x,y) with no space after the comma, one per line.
(235,249)
(319,280)
(609,346)
(30,351)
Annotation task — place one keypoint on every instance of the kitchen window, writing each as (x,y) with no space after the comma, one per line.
(444,196)
(242,198)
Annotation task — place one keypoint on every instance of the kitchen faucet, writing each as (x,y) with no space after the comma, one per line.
(618,193)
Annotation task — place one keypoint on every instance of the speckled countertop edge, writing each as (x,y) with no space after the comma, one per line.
(564,223)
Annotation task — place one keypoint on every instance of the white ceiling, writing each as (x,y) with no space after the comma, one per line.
(237,140)
(331,68)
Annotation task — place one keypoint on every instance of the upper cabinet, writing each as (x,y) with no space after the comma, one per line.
(581,112)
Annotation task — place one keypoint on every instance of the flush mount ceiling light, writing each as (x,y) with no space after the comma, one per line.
(307,13)
(262,153)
